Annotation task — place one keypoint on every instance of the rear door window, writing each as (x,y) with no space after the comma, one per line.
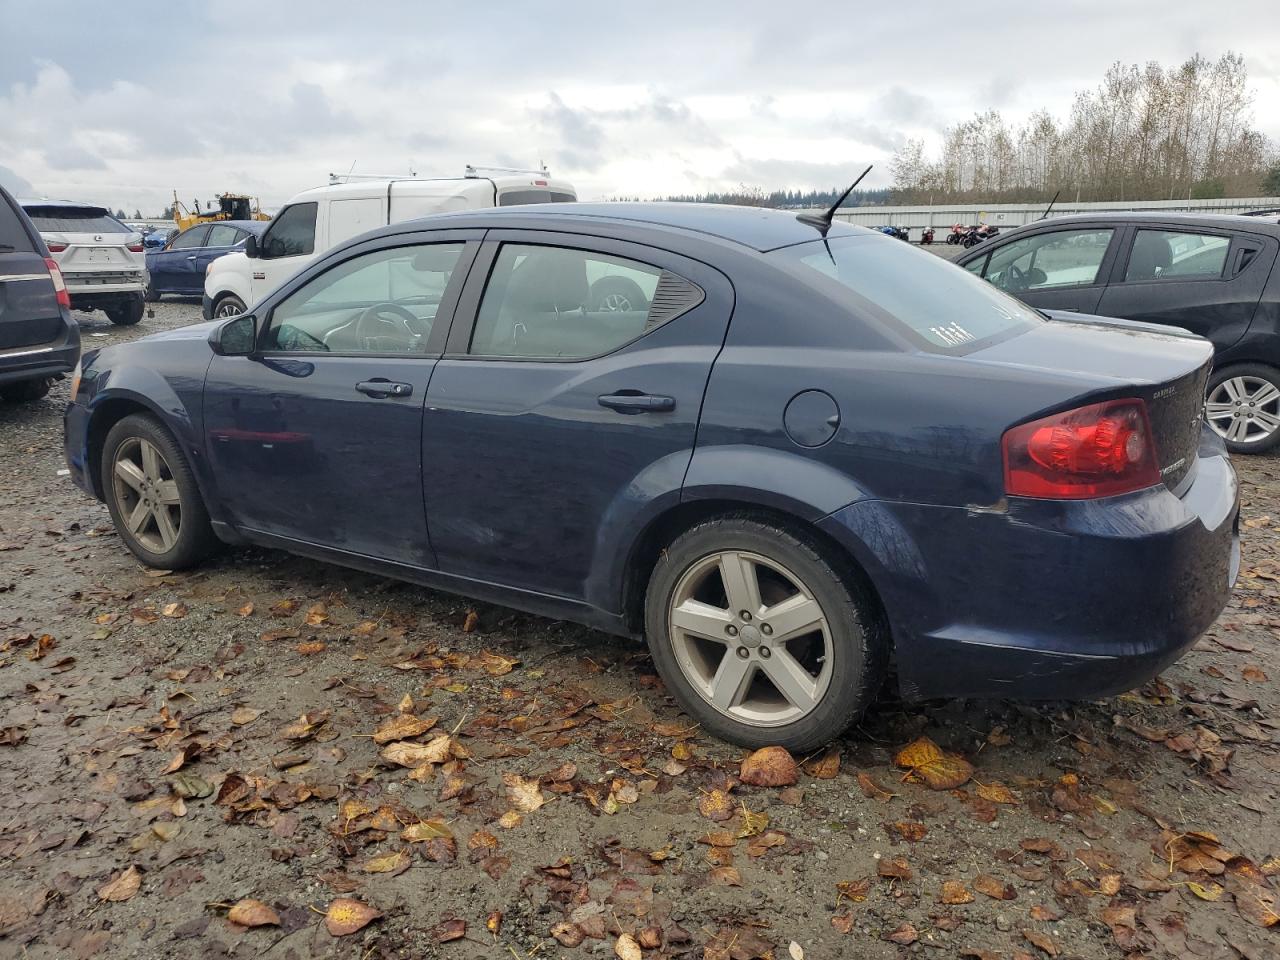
(292,233)
(1063,258)
(13,233)
(221,235)
(65,219)
(1176,255)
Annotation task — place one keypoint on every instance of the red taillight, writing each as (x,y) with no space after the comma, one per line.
(1095,451)
(59,287)
(56,247)
(135,247)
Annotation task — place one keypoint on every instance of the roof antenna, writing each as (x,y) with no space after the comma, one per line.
(823,221)
(1050,206)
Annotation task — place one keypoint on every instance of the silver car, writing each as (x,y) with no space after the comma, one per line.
(101,259)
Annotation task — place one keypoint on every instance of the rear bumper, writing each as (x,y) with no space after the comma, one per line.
(1051,600)
(40,360)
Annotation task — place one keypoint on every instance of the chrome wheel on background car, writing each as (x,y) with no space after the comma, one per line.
(228,307)
(147,495)
(1243,407)
(751,638)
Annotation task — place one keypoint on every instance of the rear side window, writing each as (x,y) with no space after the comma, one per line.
(13,233)
(292,233)
(221,235)
(1172,255)
(60,219)
(936,305)
(559,304)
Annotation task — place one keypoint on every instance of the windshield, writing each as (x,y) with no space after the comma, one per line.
(939,306)
(62,219)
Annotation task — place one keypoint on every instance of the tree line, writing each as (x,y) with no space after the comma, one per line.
(1145,133)
(786,199)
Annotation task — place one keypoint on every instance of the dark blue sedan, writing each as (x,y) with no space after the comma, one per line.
(782,453)
(180,266)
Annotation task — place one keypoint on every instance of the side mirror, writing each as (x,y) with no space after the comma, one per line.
(238,337)
(251,247)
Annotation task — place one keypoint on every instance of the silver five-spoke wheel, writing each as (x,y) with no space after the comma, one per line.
(1244,409)
(147,494)
(750,638)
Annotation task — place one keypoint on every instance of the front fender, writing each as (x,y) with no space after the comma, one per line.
(230,274)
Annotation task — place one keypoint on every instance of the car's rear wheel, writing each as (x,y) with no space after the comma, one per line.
(228,305)
(25,391)
(152,496)
(1243,406)
(126,314)
(760,637)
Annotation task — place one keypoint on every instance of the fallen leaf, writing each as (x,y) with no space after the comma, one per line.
(908,830)
(873,790)
(905,935)
(726,877)
(568,934)
(825,767)
(855,890)
(795,951)
(1210,891)
(993,888)
(626,948)
(246,610)
(391,863)
(452,929)
(471,622)
(403,726)
(406,754)
(243,715)
(1042,941)
(253,913)
(954,892)
(894,868)
(122,887)
(769,767)
(346,916)
(175,611)
(426,830)
(716,805)
(939,771)
(996,792)
(525,794)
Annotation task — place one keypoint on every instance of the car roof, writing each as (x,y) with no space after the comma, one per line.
(62,203)
(253,226)
(1225,221)
(753,227)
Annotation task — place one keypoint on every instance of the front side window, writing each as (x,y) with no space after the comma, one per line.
(190,238)
(1064,258)
(221,235)
(942,308)
(380,302)
(1168,255)
(292,233)
(562,304)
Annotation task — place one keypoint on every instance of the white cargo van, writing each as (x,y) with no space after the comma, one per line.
(319,219)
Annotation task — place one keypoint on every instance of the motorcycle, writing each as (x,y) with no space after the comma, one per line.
(971,238)
(927,235)
(904,233)
(957,233)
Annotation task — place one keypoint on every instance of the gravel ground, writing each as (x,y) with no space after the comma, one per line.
(171,745)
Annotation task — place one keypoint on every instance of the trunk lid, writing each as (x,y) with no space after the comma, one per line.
(1107,358)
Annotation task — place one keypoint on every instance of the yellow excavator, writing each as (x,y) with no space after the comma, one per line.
(231,206)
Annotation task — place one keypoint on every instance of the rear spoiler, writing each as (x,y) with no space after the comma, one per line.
(1089,320)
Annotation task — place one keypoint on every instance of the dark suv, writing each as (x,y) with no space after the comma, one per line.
(1212,275)
(38,338)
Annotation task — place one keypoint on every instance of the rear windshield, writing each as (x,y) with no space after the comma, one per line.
(937,305)
(74,220)
(13,235)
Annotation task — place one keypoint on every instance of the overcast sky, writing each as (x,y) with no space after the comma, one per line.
(122,105)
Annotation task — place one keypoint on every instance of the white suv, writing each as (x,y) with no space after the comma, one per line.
(100,258)
(317,220)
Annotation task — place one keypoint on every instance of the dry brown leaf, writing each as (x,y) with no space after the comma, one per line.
(403,726)
(310,648)
(908,830)
(471,622)
(496,665)
(716,805)
(1208,891)
(426,830)
(986,884)
(454,928)
(246,610)
(525,794)
(938,770)
(726,877)
(493,922)
(873,790)
(894,868)
(626,948)
(415,755)
(568,934)
(769,767)
(243,715)
(996,792)
(346,916)
(954,892)
(253,913)
(122,887)
(391,863)
(317,615)
(1041,941)
(825,767)
(174,611)
(855,890)
(905,935)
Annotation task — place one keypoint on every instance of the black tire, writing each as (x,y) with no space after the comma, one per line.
(26,391)
(625,293)
(859,638)
(228,305)
(1254,371)
(196,539)
(151,295)
(126,314)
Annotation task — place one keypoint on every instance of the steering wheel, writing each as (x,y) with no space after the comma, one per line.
(375,322)
(1014,279)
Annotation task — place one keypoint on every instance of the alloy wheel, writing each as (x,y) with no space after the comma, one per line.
(1244,409)
(615,302)
(228,308)
(750,638)
(147,495)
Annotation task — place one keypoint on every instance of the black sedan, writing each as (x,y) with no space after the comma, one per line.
(782,450)
(1212,275)
(179,267)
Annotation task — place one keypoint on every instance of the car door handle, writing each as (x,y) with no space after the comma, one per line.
(192,257)
(626,401)
(381,389)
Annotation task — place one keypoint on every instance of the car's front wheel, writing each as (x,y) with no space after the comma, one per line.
(152,495)
(760,636)
(24,391)
(1243,406)
(228,305)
